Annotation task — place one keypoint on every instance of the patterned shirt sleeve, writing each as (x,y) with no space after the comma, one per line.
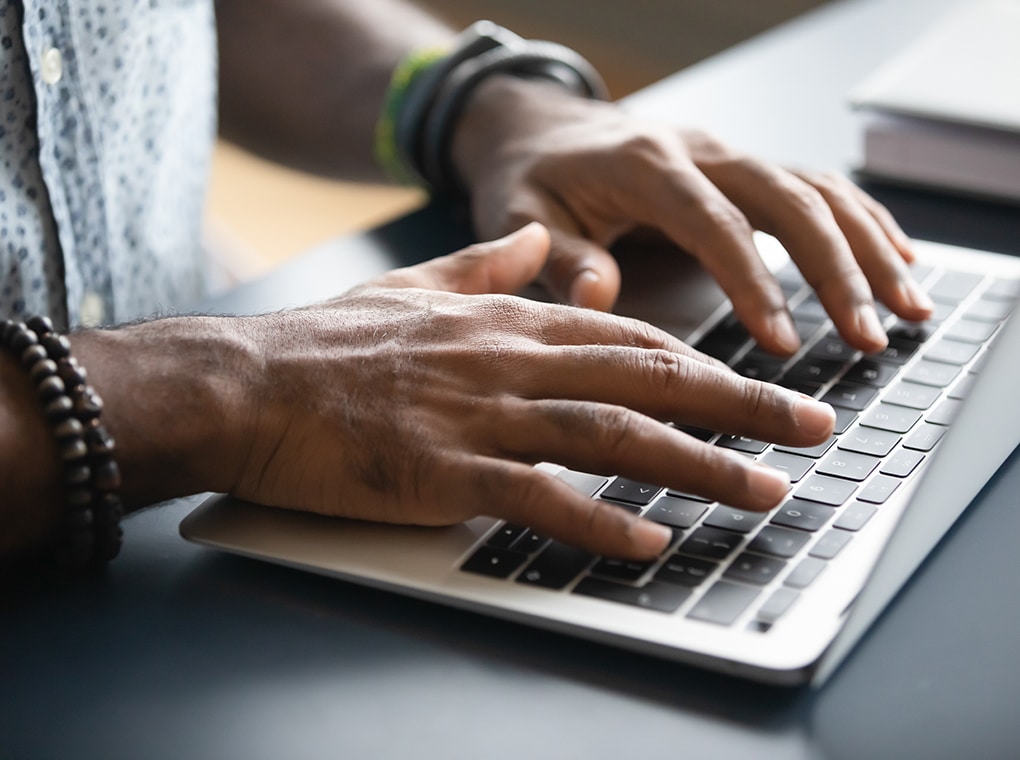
(106,132)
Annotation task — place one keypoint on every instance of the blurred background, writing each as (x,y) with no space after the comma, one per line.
(260,215)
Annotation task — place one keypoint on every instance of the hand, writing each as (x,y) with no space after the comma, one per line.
(591,173)
(423,398)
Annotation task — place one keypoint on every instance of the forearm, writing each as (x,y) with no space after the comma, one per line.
(302,82)
(172,394)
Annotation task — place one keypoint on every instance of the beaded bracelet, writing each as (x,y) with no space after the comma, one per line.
(90,533)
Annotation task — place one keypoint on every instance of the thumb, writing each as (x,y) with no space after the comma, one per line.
(504,265)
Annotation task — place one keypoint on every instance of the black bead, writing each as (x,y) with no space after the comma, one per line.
(106,475)
(72,373)
(33,355)
(57,346)
(59,409)
(73,450)
(77,474)
(88,405)
(22,339)
(42,325)
(42,369)
(68,429)
(51,388)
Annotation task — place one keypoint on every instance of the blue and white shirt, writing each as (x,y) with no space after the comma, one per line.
(107,121)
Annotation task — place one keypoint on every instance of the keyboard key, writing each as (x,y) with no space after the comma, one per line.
(725,340)
(802,515)
(870,372)
(494,562)
(912,395)
(902,463)
(711,543)
(807,387)
(804,574)
(918,332)
(832,347)
(530,542)
(776,605)
(962,388)
(779,542)
(898,351)
(723,603)
(855,516)
(1003,290)
(850,396)
(950,351)
(753,568)
(825,490)
(695,432)
(814,369)
(830,544)
(945,412)
(661,597)
(741,443)
(676,512)
(556,566)
(587,484)
(971,331)
(844,419)
(759,366)
(810,310)
(685,571)
(896,419)
(925,437)
(506,535)
(879,489)
(620,569)
(809,451)
(631,492)
(989,311)
(932,373)
(872,441)
(952,287)
(793,465)
(848,464)
(738,520)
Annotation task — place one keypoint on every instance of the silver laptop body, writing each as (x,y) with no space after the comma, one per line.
(817,624)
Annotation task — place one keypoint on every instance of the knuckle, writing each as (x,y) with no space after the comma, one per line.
(665,370)
(613,430)
(805,200)
(719,214)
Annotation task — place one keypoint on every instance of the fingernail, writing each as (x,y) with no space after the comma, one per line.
(784,332)
(813,417)
(580,288)
(650,537)
(770,484)
(870,326)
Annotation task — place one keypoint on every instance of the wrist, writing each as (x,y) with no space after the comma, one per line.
(174,392)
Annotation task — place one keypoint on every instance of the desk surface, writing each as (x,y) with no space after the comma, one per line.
(184,652)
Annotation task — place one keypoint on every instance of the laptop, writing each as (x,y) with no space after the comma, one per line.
(781,597)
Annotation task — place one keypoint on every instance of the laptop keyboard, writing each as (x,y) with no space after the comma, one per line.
(726,565)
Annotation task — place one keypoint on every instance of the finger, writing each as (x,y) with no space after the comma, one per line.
(876,247)
(505,265)
(782,204)
(670,387)
(693,212)
(526,496)
(888,224)
(578,271)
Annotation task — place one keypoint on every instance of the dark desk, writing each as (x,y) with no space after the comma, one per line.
(184,652)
